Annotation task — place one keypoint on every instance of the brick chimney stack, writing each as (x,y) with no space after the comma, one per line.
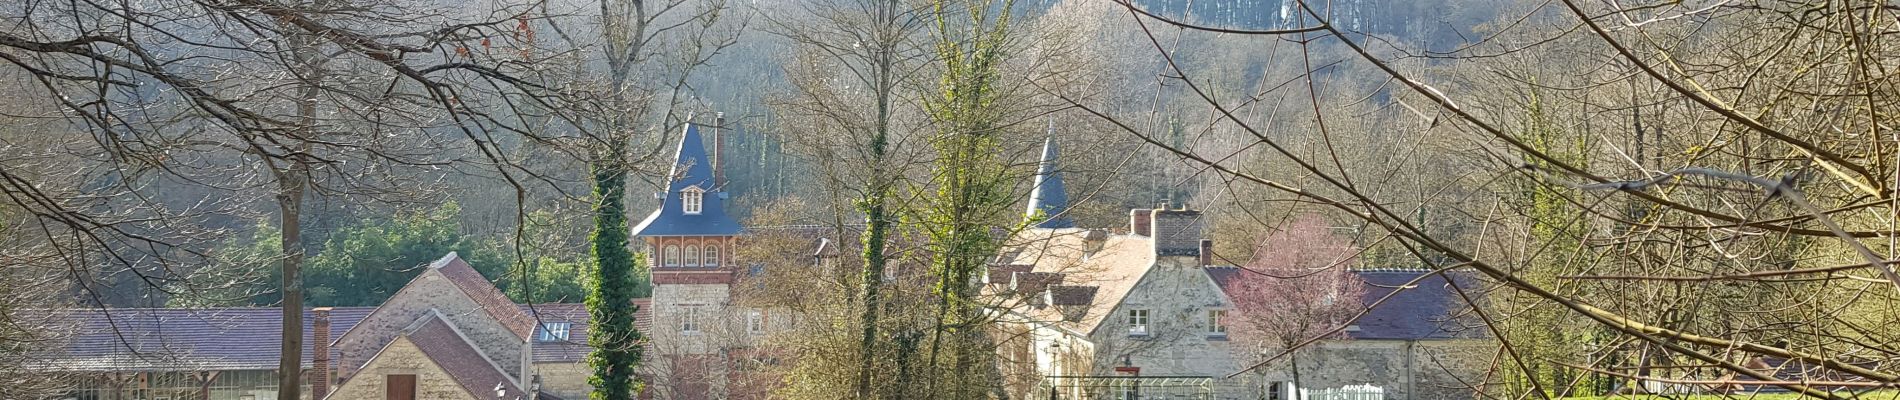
(1207,252)
(1177,232)
(320,349)
(1141,222)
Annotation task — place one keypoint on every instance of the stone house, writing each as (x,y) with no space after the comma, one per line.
(1143,313)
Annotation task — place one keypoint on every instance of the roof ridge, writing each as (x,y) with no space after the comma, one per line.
(465,341)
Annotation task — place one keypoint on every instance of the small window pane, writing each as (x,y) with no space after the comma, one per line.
(1137,322)
(554,331)
(689,321)
(691,200)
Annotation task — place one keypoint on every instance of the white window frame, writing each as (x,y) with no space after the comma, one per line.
(1215,322)
(555,331)
(711,258)
(692,255)
(671,255)
(1137,319)
(755,322)
(689,320)
(692,200)
(1129,392)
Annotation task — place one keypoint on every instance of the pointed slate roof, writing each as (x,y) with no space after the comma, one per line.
(1049,197)
(691,169)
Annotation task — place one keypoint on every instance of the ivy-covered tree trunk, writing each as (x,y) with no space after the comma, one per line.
(610,295)
(875,204)
(972,186)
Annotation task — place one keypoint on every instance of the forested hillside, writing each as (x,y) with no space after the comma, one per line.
(1635,188)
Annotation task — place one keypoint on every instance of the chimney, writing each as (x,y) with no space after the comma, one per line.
(1207,252)
(1177,232)
(1140,222)
(320,350)
(719,143)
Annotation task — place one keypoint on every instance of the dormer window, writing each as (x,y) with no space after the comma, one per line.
(692,200)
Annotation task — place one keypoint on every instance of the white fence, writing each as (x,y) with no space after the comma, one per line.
(1349,392)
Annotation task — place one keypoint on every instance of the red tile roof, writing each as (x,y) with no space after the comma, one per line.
(485,294)
(438,339)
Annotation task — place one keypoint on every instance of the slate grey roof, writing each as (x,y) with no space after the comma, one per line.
(1049,198)
(1425,310)
(691,168)
(148,339)
(246,338)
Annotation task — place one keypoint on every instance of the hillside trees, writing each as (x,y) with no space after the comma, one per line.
(337,103)
(874,43)
(1672,175)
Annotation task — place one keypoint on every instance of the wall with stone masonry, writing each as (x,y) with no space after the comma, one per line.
(402,357)
(430,290)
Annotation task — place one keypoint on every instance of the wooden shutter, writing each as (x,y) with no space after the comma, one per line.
(400,387)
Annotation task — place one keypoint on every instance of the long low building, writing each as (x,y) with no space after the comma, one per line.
(233,353)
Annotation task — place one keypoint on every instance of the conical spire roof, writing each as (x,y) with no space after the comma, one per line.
(692,170)
(1049,198)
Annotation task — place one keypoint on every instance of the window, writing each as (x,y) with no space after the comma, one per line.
(689,320)
(672,256)
(692,256)
(554,331)
(1274,390)
(712,255)
(1130,392)
(1216,323)
(1137,322)
(399,387)
(692,200)
(755,322)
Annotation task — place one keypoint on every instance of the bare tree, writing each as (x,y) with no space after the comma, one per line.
(1298,287)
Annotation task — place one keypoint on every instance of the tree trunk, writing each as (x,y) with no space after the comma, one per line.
(289,203)
(1294,392)
(877,223)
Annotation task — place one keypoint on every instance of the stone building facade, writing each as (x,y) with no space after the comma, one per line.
(1142,311)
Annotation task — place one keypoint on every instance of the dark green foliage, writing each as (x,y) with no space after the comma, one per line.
(363,265)
(611,292)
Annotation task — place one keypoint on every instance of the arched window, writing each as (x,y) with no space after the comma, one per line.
(712,255)
(691,200)
(692,255)
(672,256)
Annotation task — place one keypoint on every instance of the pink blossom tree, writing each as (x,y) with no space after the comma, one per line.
(1298,287)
